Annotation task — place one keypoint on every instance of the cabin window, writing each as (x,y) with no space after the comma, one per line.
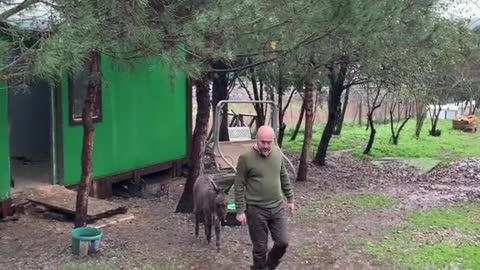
(78,85)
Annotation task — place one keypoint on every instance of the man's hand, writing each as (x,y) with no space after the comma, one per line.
(291,208)
(242,218)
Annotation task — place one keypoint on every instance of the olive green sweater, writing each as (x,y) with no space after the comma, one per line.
(261,181)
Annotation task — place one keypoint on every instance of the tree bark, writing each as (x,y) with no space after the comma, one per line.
(220,92)
(385,114)
(197,155)
(299,122)
(399,110)
(420,117)
(371,139)
(86,181)
(434,119)
(257,96)
(281,90)
(360,112)
(377,102)
(335,94)
(262,106)
(307,138)
(396,133)
(339,126)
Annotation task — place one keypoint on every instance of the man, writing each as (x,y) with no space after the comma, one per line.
(261,183)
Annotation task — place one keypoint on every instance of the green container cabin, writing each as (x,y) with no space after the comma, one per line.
(142,125)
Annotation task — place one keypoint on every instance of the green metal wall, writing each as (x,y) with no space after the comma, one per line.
(144,120)
(4,144)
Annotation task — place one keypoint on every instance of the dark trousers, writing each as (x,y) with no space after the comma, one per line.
(260,222)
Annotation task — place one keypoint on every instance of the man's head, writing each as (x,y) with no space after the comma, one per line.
(265,137)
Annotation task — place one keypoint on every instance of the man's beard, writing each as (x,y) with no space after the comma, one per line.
(263,152)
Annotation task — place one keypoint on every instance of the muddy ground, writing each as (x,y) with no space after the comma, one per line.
(320,237)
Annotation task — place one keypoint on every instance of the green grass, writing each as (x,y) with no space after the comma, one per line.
(442,238)
(366,201)
(465,219)
(424,165)
(452,144)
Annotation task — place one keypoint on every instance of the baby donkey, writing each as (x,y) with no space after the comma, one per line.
(210,207)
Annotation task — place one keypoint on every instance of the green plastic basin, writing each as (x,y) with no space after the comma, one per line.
(86,240)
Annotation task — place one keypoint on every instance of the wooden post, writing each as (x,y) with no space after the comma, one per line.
(6,208)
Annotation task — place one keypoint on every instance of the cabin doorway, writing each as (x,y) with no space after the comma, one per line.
(30,121)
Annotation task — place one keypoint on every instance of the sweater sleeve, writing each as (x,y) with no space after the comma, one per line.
(240,178)
(286,186)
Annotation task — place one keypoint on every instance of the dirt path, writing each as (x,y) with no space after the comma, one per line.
(322,236)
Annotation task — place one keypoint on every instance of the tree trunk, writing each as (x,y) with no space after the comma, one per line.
(335,94)
(419,125)
(396,133)
(464,108)
(377,102)
(333,101)
(421,115)
(339,126)
(408,114)
(399,111)
(197,155)
(434,119)
(371,139)
(263,107)
(87,148)
(434,125)
(407,109)
(385,114)
(299,122)
(220,92)
(360,113)
(256,95)
(318,102)
(392,129)
(281,89)
(307,138)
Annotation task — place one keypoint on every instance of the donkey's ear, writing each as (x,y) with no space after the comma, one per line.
(215,187)
(227,190)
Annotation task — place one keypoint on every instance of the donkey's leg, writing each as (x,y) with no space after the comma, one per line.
(207,222)
(217,231)
(198,217)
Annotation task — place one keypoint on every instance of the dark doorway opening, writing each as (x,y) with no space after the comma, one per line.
(30,120)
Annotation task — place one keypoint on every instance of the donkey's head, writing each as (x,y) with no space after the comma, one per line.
(220,201)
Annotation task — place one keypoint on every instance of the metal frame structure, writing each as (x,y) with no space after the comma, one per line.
(217,124)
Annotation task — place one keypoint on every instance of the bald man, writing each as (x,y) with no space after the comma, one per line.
(261,186)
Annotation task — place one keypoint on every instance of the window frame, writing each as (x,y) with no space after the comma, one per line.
(74,121)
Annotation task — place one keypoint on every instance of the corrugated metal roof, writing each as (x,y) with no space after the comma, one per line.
(38,17)
(475,23)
